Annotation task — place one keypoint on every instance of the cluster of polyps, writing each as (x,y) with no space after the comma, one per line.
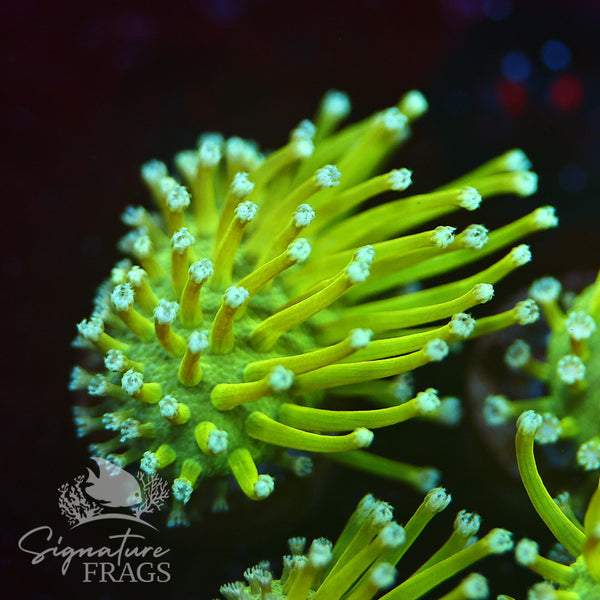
(576,576)
(571,372)
(254,295)
(362,561)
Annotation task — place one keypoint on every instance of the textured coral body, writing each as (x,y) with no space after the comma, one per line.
(261,286)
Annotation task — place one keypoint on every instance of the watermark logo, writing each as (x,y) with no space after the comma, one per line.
(106,492)
(112,488)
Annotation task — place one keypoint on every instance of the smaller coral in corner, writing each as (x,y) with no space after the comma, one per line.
(576,575)
(361,564)
(571,373)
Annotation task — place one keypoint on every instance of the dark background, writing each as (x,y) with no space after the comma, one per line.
(91,90)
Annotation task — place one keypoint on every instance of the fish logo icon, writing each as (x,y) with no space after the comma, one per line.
(101,492)
(113,487)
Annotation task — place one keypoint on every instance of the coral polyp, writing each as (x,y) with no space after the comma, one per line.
(260,287)
(570,408)
(361,564)
(575,575)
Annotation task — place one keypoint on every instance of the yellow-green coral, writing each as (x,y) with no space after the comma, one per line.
(579,580)
(361,563)
(571,373)
(259,290)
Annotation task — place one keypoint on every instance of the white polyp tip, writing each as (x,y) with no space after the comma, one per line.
(428,479)
(526,183)
(518,354)
(167,185)
(233,591)
(570,369)
(516,160)
(209,153)
(241,186)
(91,330)
(264,486)
(111,421)
(149,463)
(235,296)
(550,431)
(383,576)
(214,137)
(136,276)
(363,437)
(201,270)
(381,513)
(360,338)
(427,401)
(526,552)
(130,430)
(142,247)
(79,379)
(450,411)
(153,170)
(165,312)
(302,466)
(399,179)
(303,216)
(246,211)
(366,504)
(182,489)
(127,242)
(442,236)
(302,148)
(527,312)
(475,237)
(187,162)
(392,535)
(496,410)
(297,545)
(499,541)
(122,297)
(475,587)
(580,325)
(436,350)
(357,271)
(403,387)
(529,423)
(466,523)
(178,199)
(469,198)
(168,406)
(182,240)
(462,325)
(520,255)
(545,217)
(305,130)
(132,382)
(546,289)
(483,292)
(115,361)
(365,254)
(217,441)
(336,105)
(299,250)
(588,455)
(118,276)
(320,554)
(437,499)
(328,176)
(280,379)
(97,386)
(392,120)
(133,216)
(414,104)
(542,591)
(198,341)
